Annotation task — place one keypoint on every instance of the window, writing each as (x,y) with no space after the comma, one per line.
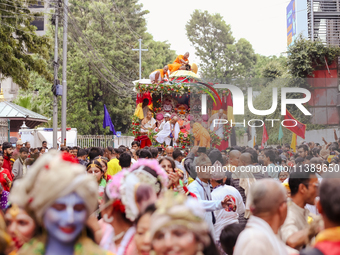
(40,4)
(39,23)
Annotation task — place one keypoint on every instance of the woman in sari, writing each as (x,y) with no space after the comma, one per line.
(5,176)
(129,193)
(60,197)
(95,168)
(20,226)
(103,162)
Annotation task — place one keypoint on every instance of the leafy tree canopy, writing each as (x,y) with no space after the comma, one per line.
(221,56)
(304,56)
(17,39)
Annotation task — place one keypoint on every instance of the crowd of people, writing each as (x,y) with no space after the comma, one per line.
(132,200)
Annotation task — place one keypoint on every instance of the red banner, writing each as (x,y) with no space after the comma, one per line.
(264,136)
(299,129)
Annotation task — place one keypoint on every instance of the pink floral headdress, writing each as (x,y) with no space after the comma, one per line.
(123,185)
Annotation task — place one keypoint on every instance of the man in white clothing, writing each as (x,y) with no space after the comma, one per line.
(217,128)
(220,191)
(166,119)
(201,188)
(169,133)
(269,207)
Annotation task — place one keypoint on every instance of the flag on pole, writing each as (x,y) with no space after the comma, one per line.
(293,143)
(280,133)
(107,121)
(253,133)
(299,129)
(264,136)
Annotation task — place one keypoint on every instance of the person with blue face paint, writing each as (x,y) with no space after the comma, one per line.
(61,197)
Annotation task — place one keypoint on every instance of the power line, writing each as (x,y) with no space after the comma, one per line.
(14,6)
(114,32)
(17,16)
(128,44)
(96,69)
(91,49)
(132,31)
(31,14)
(89,43)
(27,32)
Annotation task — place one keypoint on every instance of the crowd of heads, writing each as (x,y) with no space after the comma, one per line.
(149,194)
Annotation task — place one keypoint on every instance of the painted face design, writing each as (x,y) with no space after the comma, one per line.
(20,225)
(66,218)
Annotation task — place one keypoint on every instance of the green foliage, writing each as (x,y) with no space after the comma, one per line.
(157,57)
(264,102)
(94,44)
(17,38)
(221,57)
(38,97)
(269,67)
(304,56)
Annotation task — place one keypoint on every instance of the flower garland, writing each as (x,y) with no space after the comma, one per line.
(226,131)
(135,126)
(214,139)
(151,136)
(179,89)
(184,140)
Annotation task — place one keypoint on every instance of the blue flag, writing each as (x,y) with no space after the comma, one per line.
(107,121)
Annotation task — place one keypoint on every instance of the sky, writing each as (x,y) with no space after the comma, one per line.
(262,22)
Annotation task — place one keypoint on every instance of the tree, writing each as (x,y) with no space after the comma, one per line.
(101,63)
(157,57)
(304,56)
(221,57)
(269,67)
(17,39)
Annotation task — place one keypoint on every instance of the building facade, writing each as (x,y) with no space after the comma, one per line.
(9,89)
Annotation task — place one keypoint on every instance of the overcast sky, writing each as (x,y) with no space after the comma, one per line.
(261,22)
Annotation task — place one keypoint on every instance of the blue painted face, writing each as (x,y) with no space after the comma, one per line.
(66,218)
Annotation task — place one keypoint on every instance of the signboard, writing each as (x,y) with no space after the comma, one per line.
(291,22)
(118,133)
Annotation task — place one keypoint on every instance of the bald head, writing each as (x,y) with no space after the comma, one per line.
(174,120)
(169,151)
(234,157)
(245,159)
(266,196)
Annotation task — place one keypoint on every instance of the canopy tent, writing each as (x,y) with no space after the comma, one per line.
(17,115)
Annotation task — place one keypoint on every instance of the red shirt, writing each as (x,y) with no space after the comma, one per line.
(7,164)
(3,181)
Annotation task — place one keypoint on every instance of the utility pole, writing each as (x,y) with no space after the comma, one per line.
(140,57)
(56,67)
(64,96)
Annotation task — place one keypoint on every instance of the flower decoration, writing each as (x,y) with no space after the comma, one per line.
(184,140)
(178,88)
(214,139)
(135,127)
(226,131)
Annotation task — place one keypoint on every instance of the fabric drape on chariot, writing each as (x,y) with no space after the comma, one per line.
(139,102)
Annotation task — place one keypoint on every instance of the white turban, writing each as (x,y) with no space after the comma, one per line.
(52,176)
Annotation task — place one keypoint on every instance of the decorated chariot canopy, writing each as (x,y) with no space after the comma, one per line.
(179,83)
(179,96)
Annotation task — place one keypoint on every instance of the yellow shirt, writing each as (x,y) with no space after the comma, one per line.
(113,167)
